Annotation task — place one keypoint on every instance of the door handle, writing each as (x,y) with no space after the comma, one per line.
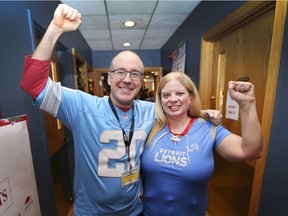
(212,102)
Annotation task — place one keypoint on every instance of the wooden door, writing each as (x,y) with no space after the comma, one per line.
(245,46)
(80,72)
(54,128)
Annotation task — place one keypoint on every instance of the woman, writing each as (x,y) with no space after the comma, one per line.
(178,160)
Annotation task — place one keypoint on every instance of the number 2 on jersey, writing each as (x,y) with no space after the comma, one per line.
(119,152)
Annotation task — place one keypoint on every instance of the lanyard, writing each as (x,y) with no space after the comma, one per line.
(127,139)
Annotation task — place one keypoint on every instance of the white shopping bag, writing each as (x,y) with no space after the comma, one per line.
(18,191)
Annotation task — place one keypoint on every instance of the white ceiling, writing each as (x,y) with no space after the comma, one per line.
(156,20)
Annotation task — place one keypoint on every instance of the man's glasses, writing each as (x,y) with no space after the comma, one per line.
(121,73)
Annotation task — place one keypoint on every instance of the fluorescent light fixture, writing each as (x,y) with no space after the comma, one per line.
(129,23)
(126,44)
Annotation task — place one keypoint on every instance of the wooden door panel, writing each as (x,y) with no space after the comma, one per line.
(265,76)
(240,54)
(247,55)
(245,44)
(54,128)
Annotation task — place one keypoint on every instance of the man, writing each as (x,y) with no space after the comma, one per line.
(108,132)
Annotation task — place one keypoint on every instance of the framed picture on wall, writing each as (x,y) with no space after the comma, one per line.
(179,57)
(80,72)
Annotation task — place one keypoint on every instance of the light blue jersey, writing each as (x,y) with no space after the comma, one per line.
(177,172)
(100,153)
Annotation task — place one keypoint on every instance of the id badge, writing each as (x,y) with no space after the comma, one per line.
(130,177)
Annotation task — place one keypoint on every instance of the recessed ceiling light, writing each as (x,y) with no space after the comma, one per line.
(129,23)
(126,44)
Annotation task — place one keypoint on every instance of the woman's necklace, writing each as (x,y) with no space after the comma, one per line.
(176,137)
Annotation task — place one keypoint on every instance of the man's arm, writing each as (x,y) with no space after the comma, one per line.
(214,116)
(65,19)
(37,68)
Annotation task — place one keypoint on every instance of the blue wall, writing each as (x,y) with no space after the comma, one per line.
(15,43)
(204,17)
(275,188)
(150,58)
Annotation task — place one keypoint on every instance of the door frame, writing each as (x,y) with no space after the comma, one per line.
(246,13)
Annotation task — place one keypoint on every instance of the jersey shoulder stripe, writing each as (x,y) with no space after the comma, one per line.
(52,98)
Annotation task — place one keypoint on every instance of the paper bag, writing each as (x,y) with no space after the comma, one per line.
(18,191)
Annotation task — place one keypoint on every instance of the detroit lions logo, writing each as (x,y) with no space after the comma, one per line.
(190,148)
(178,158)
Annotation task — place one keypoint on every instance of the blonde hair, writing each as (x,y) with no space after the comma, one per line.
(160,115)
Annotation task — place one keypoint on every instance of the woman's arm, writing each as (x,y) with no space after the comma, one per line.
(249,146)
